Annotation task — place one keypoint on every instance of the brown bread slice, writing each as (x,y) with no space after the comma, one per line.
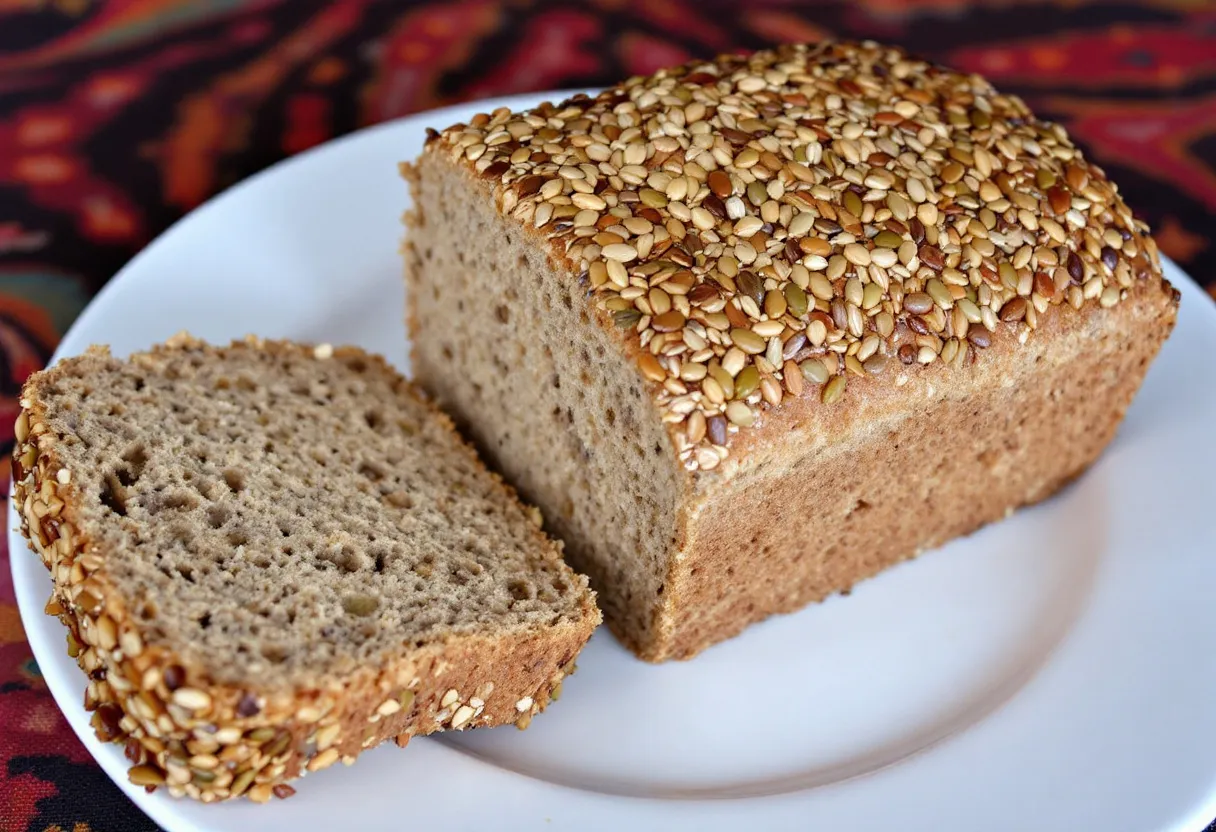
(751,330)
(271,557)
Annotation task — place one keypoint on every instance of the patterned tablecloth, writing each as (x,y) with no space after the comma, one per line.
(118,117)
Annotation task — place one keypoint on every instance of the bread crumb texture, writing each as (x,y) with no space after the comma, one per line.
(271,557)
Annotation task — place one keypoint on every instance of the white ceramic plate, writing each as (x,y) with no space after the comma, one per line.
(1054,672)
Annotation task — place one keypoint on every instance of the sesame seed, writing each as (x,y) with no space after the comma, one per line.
(740,414)
(734,361)
(768,329)
(856,254)
(192,699)
(323,351)
(620,252)
(616,273)
(884,257)
(324,760)
(834,389)
(747,341)
(746,382)
(745,227)
(814,371)
(328,735)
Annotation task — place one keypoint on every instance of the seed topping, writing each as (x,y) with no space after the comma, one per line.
(177,731)
(818,211)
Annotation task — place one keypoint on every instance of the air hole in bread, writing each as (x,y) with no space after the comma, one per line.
(205,486)
(858,506)
(372,471)
(136,458)
(114,495)
(399,499)
(347,558)
(234,479)
(171,500)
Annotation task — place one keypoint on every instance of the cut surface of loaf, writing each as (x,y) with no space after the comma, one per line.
(753,329)
(272,556)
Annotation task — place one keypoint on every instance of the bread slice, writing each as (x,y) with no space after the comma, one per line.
(751,330)
(271,557)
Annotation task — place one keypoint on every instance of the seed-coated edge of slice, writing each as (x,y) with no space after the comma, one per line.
(148,698)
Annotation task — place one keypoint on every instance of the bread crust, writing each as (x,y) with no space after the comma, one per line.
(1071,286)
(213,741)
(825,497)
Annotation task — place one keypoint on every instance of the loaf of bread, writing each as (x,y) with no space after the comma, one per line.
(751,330)
(270,557)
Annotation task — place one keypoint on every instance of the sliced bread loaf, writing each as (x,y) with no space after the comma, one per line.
(753,329)
(270,557)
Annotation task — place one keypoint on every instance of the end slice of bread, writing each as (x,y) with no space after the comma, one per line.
(270,557)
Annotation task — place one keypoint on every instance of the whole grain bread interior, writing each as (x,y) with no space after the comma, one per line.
(272,556)
(753,329)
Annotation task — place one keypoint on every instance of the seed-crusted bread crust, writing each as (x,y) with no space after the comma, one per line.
(214,741)
(739,218)
(793,248)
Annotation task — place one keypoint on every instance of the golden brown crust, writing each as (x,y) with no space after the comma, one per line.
(212,741)
(837,495)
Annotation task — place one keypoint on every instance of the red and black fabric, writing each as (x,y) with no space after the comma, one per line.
(119,116)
